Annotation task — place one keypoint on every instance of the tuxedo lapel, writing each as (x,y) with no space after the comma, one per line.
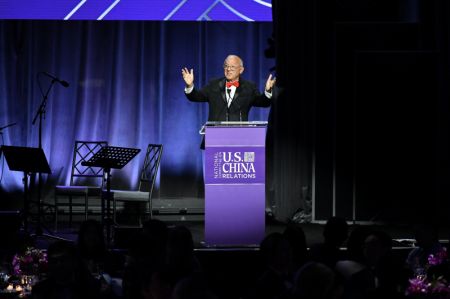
(236,94)
(222,90)
(238,90)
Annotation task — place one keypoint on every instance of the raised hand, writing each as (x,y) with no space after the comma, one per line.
(270,83)
(188,76)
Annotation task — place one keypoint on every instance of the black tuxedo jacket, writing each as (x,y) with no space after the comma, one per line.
(246,96)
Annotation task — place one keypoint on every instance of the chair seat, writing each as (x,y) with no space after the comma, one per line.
(78,190)
(137,196)
(71,190)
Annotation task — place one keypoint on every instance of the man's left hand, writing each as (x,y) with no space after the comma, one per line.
(270,83)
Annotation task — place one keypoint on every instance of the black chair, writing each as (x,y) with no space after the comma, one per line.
(85,181)
(147,180)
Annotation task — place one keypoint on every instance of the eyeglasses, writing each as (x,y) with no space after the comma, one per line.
(230,67)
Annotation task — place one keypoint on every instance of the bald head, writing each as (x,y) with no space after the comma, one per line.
(233,67)
(233,60)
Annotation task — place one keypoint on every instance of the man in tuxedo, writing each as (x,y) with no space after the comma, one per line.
(230,98)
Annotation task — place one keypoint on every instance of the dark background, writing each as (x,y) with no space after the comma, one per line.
(366,89)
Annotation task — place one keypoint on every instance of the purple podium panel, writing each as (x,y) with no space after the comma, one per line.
(235,136)
(234,214)
(235,185)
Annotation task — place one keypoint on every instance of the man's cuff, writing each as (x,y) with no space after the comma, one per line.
(188,90)
(268,94)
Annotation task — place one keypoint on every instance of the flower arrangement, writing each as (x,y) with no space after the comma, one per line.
(32,262)
(431,283)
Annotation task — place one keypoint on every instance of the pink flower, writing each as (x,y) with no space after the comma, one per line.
(439,258)
(424,285)
(417,286)
(32,261)
(27,259)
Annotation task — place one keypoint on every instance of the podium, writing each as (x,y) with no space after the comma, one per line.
(234,183)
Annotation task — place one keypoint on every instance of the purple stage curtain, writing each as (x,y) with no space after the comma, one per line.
(125,87)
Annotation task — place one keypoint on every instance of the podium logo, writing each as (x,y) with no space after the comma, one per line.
(249,157)
(234,165)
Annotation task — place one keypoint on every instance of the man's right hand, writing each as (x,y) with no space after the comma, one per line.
(188,77)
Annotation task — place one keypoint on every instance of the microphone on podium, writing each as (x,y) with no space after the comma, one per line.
(228,102)
(229,99)
(240,113)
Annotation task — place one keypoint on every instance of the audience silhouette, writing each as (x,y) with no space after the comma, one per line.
(161,263)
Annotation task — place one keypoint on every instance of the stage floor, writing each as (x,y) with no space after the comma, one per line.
(190,213)
(402,235)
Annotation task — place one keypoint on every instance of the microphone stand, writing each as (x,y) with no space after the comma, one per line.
(240,112)
(7,126)
(226,103)
(228,107)
(40,113)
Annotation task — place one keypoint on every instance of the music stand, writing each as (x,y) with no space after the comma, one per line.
(28,160)
(110,157)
